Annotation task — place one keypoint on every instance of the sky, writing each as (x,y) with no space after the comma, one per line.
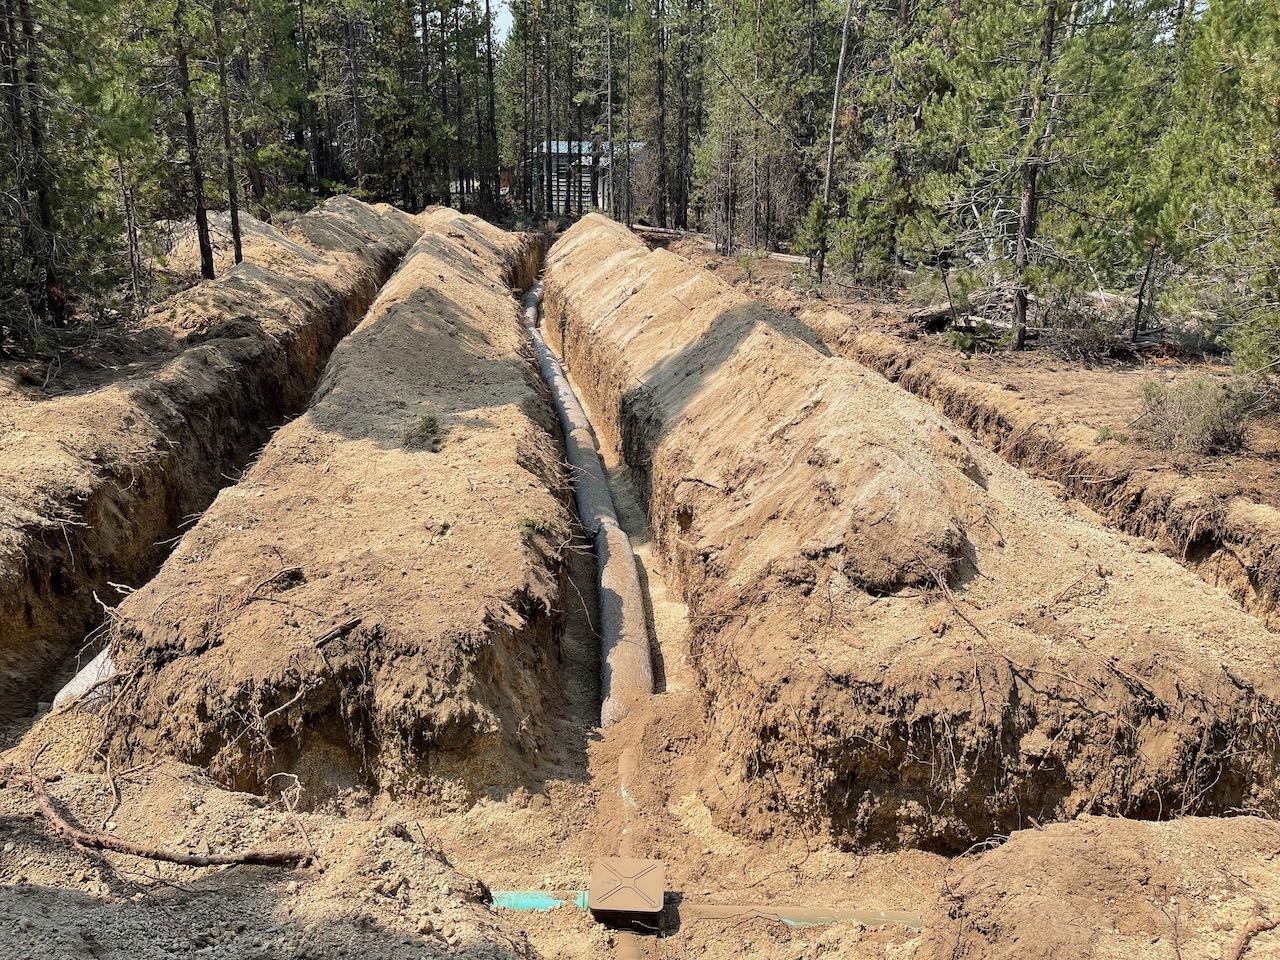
(501,21)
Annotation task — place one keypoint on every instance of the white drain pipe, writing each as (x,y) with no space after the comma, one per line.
(626,667)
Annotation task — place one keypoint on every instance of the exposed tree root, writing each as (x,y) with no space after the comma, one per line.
(94,840)
(1260,925)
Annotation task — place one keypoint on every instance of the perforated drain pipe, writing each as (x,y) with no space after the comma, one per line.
(626,668)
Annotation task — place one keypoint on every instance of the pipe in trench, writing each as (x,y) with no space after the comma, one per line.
(792,916)
(626,667)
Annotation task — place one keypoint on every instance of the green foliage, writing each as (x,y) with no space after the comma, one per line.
(1200,415)
(531,527)
(424,434)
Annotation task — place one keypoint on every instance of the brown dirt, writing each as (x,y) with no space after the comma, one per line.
(903,640)
(538,832)
(378,889)
(375,602)
(100,465)
(1105,889)
(1219,515)
(261,243)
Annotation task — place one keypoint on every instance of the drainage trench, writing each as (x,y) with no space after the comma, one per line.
(628,679)
(211,428)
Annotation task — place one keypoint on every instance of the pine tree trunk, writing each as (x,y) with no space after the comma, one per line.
(608,46)
(661,83)
(831,144)
(681,212)
(13,106)
(130,208)
(626,173)
(447,155)
(357,103)
(548,198)
(1028,206)
(193,140)
(491,150)
(54,296)
(224,107)
(309,110)
(1142,291)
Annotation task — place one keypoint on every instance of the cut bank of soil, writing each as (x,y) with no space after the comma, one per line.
(376,602)
(1218,515)
(95,477)
(1107,889)
(903,640)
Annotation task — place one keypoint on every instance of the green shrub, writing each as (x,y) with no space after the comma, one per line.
(529,527)
(424,434)
(1201,415)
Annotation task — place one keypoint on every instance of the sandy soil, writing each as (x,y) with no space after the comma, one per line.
(904,641)
(100,465)
(376,887)
(1219,514)
(375,604)
(1103,889)
(871,636)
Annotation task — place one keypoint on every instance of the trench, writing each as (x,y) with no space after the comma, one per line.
(630,812)
(132,520)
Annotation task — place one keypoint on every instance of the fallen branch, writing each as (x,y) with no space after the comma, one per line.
(339,631)
(92,840)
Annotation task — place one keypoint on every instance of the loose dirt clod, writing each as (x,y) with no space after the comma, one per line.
(358,610)
(101,466)
(903,640)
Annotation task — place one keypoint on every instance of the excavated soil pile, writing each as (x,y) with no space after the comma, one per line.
(94,476)
(260,242)
(1217,525)
(902,639)
(1107,889)
(1051,416)
(379,890)
(375,603)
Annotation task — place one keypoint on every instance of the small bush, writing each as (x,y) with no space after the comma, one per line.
(1200,415)
(424,434)
(1105,433)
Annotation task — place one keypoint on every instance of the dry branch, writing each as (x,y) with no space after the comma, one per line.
(94,840)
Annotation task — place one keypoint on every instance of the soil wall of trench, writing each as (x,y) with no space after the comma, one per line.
(95,481)
(376,604)
(900,639)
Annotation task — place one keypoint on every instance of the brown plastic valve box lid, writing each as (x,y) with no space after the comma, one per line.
(624,888)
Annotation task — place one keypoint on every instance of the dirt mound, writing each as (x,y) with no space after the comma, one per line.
(1104,888)
(903,640)
(96,474)
(380,890)
(1069,422)
(260,243)
(375,602)
(1220,526)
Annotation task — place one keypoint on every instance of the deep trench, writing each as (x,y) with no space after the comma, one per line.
(215,446)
